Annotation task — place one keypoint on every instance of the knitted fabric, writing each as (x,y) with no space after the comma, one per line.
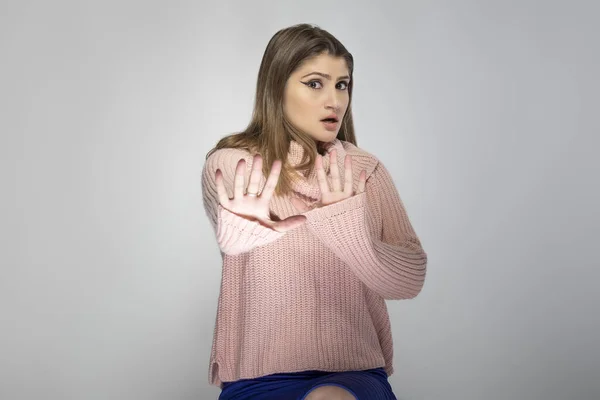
(312,298)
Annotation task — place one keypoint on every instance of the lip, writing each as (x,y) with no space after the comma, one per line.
(334,116)
(330,126)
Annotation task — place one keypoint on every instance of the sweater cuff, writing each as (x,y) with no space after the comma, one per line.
(237,234)
(338,218)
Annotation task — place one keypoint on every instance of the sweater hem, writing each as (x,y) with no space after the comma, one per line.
(216,380)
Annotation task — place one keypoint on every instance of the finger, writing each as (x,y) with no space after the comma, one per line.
(221,192)
(256,174)
(336,185)
(271,183)
(323,185)
(362,181)
(348,175)
(289,223)
(238,181)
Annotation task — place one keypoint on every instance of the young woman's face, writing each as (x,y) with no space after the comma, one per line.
(318,90)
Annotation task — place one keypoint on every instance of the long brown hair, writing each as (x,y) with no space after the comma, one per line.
(269,133)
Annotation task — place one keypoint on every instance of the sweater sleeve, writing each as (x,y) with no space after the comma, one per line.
(372,234)
(235,234)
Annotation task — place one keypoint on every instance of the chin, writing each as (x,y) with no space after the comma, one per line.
(332,137)
(326,136)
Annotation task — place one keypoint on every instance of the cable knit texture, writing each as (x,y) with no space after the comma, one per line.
(312,298)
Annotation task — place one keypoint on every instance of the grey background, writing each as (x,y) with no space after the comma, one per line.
(486,113)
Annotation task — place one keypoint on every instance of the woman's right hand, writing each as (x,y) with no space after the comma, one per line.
(255,208)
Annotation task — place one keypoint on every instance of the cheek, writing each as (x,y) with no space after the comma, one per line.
(302,105)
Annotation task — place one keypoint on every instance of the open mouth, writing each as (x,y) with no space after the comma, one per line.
(330,120)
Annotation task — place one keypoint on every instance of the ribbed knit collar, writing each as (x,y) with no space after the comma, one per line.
(309,186)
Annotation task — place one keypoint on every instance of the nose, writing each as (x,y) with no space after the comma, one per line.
(333,100)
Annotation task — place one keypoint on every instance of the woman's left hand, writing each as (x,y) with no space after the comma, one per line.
(336,193)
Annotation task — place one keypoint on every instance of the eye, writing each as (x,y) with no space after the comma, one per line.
(316,81)
(310,84)
(344,83)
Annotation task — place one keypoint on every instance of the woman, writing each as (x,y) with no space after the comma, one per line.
(311,252)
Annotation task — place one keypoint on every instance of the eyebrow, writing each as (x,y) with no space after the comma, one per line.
(325,75)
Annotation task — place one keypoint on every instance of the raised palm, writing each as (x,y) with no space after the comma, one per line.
(255,208)
(336,193)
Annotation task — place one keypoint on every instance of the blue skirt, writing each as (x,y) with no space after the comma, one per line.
(371,384)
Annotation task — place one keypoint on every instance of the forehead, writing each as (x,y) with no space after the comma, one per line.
(325,63)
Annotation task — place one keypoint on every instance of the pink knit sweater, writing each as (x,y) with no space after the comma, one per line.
(312,298)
